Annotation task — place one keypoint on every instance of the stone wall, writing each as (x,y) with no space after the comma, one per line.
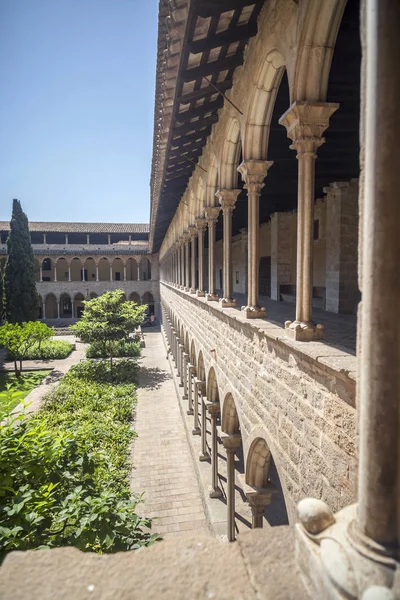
(302,407)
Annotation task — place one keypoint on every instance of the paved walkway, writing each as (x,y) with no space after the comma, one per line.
(163,464)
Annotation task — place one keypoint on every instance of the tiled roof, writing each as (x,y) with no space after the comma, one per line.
(77,250)
(60,227)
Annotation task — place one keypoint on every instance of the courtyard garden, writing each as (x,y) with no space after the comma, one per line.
(65,470)
(14,389)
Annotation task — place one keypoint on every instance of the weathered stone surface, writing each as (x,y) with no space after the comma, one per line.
(176,569)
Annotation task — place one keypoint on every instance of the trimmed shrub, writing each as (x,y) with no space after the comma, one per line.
(123,348)
(48,350)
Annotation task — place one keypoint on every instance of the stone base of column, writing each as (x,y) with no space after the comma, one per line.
(189,411)
(200,294)
(185,397)
(227,303)
(186,289)
(196,431)
(304,331)
(338,562)
(212,298)
(254,312)
(204,457)
(215,493)
(192,290)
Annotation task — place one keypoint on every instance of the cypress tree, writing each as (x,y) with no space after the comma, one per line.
(20,296)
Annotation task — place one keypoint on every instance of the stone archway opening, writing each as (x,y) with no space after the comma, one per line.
(117,269)
(79,307)
(76,269)
(148,299)
(47,269)
(65,306)
(265,496)
(134,297)
(145,269)
(51,308)
(62,269)
(132,272)
(89,270)
(104,269)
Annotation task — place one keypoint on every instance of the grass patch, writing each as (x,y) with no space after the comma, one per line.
(14,389)
(122,349)
(74,488)
(48,350)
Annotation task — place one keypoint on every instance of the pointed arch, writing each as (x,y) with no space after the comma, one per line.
(212,386)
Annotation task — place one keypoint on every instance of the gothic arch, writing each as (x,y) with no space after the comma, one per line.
(230,418)
(229,160)
(212,386)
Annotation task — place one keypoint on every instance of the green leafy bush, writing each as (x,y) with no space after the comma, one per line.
(64,472)
(123,348)
(19,339)
(47,350)
(123,371)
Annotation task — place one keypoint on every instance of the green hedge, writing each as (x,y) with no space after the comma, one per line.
(65,471)
(48,350)
(125,348)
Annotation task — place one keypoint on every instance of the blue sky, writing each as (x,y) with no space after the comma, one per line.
(76,108)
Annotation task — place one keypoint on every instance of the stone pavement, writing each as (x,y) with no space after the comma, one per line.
(162,463)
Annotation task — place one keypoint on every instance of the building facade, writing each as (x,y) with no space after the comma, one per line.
(78,261)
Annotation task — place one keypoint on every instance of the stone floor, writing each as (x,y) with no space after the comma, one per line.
(340,330)
(163,464)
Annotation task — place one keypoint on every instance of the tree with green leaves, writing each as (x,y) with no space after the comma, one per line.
(109,319)
(20,296)
(18,339)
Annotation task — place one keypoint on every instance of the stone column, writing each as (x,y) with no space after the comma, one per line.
(231,444)
(211,213)
(55,272)
(258,500)
(40,273)
(201,226)
(87,239)
(280,252)
(191,372)
(181,364)
(253,173)
(182,261)
(305,123)
(109,239)
(213,409)
(187,262)
(66,239)
(72,310)
(44,310)
(97,272)
(58,310)
(193,234)
(185,369)
(204,456)
(111,276)
(124,272)
(227,200)
(138,271)
(44,239)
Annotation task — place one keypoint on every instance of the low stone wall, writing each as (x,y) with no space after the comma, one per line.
(288,393)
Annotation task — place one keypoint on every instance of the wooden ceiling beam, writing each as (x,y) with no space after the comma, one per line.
(210,8)
(231,35)
(196,125)
(199,111)
(204,92)
(178,143)
(216,66)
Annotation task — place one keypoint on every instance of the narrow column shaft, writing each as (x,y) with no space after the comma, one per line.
(211,259)
(124,272)
(181,364)
(111,277)
(58,309)
(204,450)
(97,272)
(43,310)
(185,374)
(187,265)
(193,266)
(379,356)
(190,389)
(227,248)
(201,260)
(305,220)
(41,273)
(253,228)
(55,272)
(215,491)
(230,500)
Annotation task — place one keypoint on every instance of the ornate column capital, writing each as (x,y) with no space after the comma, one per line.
(305,123)
(253,173)
(227,199)
(231,441)
(213,408)
(192,232)
(201,224)
(211,213)
(186,237)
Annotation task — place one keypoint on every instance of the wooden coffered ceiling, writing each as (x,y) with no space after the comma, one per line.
(204,45)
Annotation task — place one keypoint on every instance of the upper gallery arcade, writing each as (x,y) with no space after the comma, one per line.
(256,160)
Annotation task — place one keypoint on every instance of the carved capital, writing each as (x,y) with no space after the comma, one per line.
(211,213)
(192,231)
(253,173)
(227,199)
(201,224)
(231,441)
(213,408)
(305,124)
